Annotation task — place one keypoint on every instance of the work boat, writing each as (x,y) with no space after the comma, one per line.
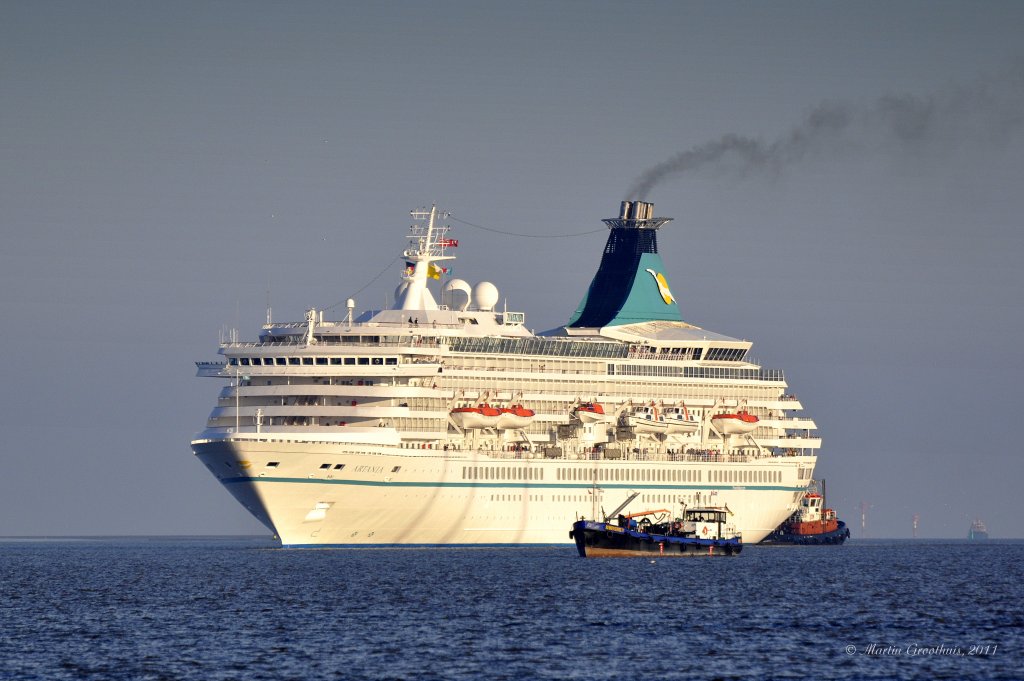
(700,532)
(444,420)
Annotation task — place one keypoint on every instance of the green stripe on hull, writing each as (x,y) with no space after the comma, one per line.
(512,485)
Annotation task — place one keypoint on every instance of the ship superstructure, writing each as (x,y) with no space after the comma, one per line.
(444,420)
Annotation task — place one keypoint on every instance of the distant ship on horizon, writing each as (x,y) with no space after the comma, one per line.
(978,531)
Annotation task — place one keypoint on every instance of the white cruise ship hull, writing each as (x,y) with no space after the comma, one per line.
(383,428)
(396,496)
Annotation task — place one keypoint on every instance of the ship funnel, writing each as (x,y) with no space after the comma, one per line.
(636,215)
(630,285)
(636,210)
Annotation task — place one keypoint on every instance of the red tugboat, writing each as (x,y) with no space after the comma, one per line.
(812,523)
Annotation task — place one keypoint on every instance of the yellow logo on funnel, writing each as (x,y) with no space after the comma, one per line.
(663,289)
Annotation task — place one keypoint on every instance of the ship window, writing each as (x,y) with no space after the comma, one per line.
(350,360)
(335,360)
(338,466)
(364,361)
(256,361)
(233,361)
(293,361)
(245,361)
(377,361)
(273,464)
(321,361)
(325,465)
(280,361)
(308,361)
(390,361)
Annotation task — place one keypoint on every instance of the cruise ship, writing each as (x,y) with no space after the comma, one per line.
(444,420)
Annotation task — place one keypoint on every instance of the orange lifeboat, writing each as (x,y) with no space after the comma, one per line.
(589,412)
(739,423)
(480,416)
(514,417)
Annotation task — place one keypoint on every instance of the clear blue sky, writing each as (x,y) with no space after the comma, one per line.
(166,164)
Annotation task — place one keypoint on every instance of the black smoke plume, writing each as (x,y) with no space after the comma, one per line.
(987,112)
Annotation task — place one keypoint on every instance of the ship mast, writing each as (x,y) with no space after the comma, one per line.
(428,247)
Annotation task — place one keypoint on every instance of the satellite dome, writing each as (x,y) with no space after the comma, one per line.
(485,296)
(456,294)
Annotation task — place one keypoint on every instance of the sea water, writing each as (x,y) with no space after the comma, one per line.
(209,609)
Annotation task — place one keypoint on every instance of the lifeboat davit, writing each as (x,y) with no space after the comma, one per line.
(680,420)
(647,420)
(514,417)
(590,412)
(480,416)
(739,423)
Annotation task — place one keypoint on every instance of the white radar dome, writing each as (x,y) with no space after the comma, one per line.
(485,296)
(456,294)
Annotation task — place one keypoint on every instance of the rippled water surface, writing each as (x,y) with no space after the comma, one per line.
(240,609)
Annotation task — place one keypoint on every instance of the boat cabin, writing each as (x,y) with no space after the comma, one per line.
(706,523)
(810,508)
(705,515)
